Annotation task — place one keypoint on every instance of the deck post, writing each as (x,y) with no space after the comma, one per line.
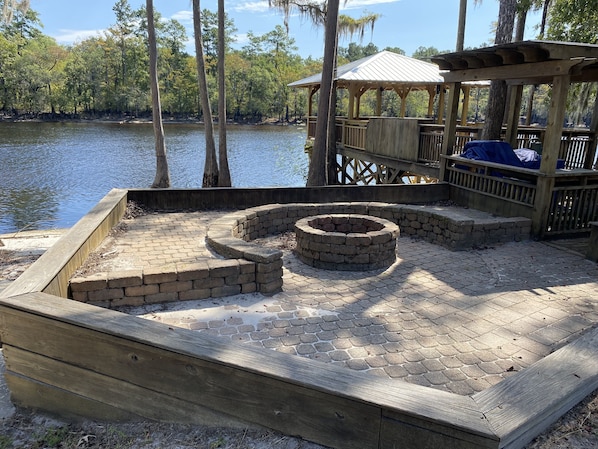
(550,153)
(515,93)
(465,108)
(450,127)
(591,152)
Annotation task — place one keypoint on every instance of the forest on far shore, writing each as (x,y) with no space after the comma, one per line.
(107,76)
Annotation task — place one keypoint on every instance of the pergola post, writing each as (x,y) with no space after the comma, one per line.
(514,106)
(450,127)
(591,153)
(465,108)
(550,153)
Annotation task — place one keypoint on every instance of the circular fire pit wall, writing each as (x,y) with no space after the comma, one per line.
(346,242)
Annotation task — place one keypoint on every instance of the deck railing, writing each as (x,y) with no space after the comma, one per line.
(573,203)
(493,180)
(574,198)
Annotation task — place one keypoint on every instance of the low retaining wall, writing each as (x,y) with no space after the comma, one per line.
(205,279)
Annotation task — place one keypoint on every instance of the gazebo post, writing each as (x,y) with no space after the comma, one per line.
(465,108)
(351,111)
(431,95)
(441,105)
(379,101)
(550,153)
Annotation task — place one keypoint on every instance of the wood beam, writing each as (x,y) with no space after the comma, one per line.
(507,72)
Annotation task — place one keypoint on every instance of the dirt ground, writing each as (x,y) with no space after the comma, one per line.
(578,429)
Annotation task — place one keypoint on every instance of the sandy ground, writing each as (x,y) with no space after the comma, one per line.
(20,428)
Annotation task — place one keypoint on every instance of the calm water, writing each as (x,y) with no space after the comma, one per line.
(51,174)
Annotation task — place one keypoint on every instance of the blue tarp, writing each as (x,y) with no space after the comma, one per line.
(502,153)
(491,151)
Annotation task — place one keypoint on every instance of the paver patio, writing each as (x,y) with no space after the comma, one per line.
(456,321)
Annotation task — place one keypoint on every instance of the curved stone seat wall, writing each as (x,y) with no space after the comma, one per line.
(456,229)
(248,267)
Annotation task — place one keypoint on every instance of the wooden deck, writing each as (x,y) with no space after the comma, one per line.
(391,150)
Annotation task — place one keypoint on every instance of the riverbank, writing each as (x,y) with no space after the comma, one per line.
(132,119)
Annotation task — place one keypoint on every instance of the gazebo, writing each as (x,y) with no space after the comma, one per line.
(382,71)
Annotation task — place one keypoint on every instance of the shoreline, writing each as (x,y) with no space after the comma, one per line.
(127,119)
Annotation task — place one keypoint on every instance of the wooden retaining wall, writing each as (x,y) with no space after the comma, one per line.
(96,361)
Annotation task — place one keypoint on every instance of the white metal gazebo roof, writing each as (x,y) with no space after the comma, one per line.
(385,69)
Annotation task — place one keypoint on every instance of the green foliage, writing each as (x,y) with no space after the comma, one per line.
(108,75)
(5,442)
(355,51)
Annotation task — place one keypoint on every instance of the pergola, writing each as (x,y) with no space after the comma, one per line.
(529,62)
(382,71)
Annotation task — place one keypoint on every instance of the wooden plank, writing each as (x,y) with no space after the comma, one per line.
(236,388)
(28,393)
(522,406)
(92,394)
(545,70)
(53,269)
(406,433)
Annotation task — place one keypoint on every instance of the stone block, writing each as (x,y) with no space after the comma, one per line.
(223,268)
(192,271)
(200,284)
(176,286)
(270,287)
(105,295)
(266,278)
(142,290)
(161,297)
(125,278)
(97,281)
(158,275)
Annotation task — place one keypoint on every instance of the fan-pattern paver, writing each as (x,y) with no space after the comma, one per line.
(457,321)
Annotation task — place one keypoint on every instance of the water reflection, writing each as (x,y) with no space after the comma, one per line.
(51,174)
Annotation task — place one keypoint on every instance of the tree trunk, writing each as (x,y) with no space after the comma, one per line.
(317,167)
(162,179)
(210,173)
(461,27)
(497,97)
(224,179)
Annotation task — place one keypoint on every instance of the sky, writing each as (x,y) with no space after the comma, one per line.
(407,24)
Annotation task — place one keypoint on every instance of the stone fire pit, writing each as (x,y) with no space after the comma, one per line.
(346,242)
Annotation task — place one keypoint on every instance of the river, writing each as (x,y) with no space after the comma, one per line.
(51,174)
